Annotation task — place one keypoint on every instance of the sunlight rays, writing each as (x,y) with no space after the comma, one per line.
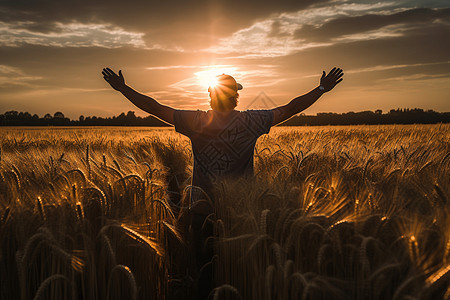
(208,77)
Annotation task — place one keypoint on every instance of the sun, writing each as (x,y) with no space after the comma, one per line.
(208,77)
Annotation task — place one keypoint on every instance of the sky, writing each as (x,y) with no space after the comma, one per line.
(395,54)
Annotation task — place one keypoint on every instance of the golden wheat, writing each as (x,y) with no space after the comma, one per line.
(357,212)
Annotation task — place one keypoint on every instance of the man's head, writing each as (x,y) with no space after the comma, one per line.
(224,93)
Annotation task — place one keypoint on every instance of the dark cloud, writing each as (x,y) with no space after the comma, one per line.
(276,30)
(360,24)
(188,22)
(44,27)
(420,46)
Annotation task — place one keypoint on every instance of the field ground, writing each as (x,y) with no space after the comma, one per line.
(356,212)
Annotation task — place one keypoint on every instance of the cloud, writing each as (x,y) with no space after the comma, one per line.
(390,67)
(259,41)
(277,35)
(418,76)
(68,35)
(11,77)
(360,26)
(168,23)
(421,50)
(237,28)
(8,70)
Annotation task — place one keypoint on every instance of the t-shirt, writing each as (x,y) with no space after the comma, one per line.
(223,143)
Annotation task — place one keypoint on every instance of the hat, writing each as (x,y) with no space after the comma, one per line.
(227,84)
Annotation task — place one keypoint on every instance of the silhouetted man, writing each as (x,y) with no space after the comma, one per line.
(223,139)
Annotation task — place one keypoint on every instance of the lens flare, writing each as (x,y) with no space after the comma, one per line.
(208,77)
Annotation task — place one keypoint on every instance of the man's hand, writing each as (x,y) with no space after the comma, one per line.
(117,82)
(332,79)
(142,101)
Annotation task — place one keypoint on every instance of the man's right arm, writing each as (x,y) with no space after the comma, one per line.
(295,106)
(142,101)
(300,103)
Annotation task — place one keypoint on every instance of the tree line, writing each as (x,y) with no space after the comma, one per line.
(394,116)
(14,118)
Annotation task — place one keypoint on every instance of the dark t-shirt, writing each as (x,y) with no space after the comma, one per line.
(222,143)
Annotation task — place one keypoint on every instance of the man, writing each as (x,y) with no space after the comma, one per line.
(223,141)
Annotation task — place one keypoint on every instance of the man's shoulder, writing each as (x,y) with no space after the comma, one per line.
(188,121)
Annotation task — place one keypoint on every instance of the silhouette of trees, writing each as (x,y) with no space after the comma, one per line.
(14,118)
(58,115)
(394,116)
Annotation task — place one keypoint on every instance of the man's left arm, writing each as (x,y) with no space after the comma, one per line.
(146,103)
(297,105)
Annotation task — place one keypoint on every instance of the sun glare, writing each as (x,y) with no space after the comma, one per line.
(208,77)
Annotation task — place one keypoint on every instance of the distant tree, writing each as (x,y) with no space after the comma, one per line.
(131,115)
(48,116)
(130,119)
(26,115)
(58,115)
(379,112)
(12,114)
(81,118)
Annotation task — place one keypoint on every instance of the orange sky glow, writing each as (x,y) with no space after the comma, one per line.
(394,53)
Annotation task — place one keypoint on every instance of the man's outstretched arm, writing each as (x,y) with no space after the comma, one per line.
(144,102)
(327,82)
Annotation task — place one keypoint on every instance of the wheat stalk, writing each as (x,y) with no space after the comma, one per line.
(131,281)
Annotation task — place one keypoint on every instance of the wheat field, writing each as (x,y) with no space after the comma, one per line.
(355,212)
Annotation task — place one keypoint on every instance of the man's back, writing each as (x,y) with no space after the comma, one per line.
(222,142)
